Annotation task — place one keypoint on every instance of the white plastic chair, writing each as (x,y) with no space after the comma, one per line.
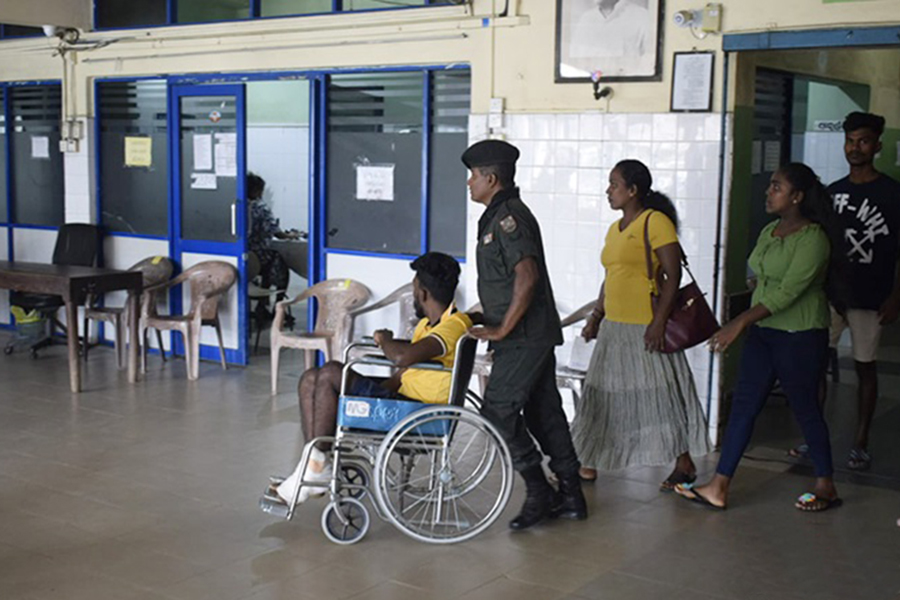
(403,298)
(208,281)
(335,298)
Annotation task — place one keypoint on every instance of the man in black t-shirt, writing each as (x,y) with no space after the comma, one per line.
(867,203)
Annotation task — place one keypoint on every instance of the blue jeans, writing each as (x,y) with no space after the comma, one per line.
(797,360)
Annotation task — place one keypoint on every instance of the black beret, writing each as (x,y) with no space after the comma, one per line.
(490,152)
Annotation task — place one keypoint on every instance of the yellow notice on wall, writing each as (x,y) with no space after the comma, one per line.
(138,151)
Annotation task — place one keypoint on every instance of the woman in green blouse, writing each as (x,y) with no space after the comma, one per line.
(787,332)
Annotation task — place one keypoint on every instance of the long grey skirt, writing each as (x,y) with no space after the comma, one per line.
(638,407)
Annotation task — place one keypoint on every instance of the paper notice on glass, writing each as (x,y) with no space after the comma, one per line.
(40,146)
(756,158)
(203,181)
(692,81)
(581,354)
(226,154)
(375,182)
(203,152)
(771,156)
(138,151)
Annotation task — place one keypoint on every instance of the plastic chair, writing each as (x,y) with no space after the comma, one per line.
(208,282)
(77,245)
(567,377)
(403,298)
(335,298)
(155,270)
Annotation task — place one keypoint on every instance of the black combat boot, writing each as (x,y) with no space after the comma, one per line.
(538,499)
(569,503)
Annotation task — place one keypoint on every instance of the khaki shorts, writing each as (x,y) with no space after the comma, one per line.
(865,332)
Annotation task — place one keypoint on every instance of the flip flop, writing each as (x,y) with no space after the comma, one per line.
(676,478)
(683,489)
(809,502)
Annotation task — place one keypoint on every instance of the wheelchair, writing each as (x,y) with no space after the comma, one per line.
(440,474)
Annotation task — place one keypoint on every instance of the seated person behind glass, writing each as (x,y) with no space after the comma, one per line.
(435,338)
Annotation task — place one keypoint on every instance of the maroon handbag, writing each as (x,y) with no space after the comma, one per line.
(691,321)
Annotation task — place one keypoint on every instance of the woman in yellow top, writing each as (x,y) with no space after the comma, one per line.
(640,406)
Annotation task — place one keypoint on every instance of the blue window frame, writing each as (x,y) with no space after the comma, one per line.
(414,123)
(124,14)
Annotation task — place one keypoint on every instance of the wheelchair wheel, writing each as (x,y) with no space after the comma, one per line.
(354,481)
(345,521)
(443,475)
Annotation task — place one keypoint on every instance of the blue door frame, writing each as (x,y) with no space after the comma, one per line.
(236,249)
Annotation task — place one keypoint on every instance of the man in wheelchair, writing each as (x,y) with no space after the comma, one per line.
(435,338)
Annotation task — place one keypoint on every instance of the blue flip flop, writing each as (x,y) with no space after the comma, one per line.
(809,502)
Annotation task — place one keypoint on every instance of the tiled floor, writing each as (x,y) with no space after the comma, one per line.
(149,492)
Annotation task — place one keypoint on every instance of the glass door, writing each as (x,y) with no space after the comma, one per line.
(209,216)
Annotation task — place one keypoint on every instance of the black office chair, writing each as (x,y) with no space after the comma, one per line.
(77,245)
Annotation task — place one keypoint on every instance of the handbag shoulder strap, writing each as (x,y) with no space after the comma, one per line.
(684,260)
(647,250)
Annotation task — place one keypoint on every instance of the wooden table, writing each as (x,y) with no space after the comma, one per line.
(74,284)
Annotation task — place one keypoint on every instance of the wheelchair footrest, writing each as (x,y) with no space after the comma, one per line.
(272,507)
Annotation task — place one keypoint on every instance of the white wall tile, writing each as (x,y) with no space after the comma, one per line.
(698,155)
(613,152)
(642,151)
(589,207)
(691,128)
(565,154)
(543,179)
(566,181)
(566,127)
(640,127)
(589,154)
(478,127)
(665,127)
(565,207)
(542,127)
(712,127)
(591,182)
(590,126)
(615,127)
(665,155)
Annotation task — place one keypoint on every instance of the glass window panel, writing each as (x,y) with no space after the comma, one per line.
(3,204)
(375,119)
(201,11)
(12,31)
(205,213)
(278,8)
(447,196)
(37,162)
(133,199)
(128,13)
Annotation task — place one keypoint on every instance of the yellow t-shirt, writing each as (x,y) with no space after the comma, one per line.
(433,387)
(627,289)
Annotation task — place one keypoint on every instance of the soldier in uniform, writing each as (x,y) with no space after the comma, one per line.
(522,325)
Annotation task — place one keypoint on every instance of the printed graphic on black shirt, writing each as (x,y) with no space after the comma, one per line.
(870,215)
